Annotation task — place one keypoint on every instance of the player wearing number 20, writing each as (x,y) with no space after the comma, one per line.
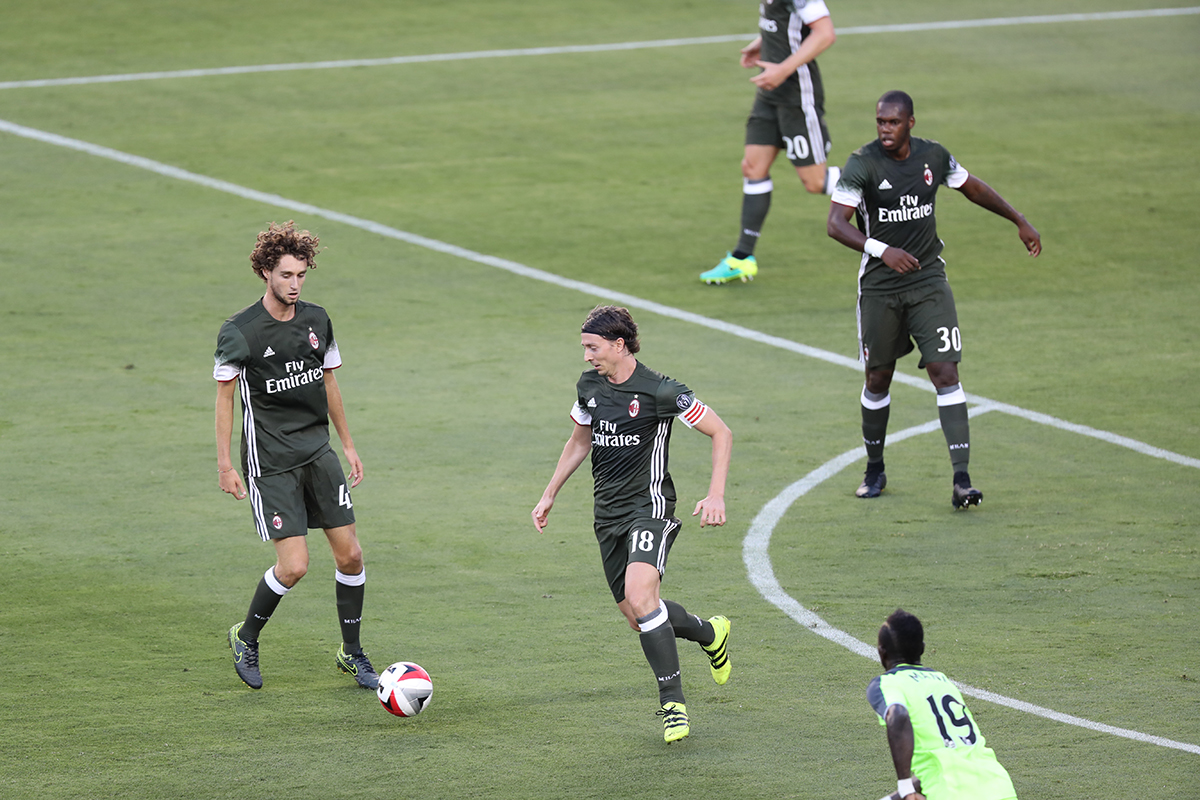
(891,185)
(937,749)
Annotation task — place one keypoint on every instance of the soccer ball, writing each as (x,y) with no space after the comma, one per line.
(405,689)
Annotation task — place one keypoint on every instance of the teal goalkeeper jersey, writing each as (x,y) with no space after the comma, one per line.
(950,755)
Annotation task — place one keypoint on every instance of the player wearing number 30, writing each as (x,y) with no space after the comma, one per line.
(623,414)
(279,354)
(891,184)
(937,749)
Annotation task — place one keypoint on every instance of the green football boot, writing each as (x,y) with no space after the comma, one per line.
(675,722)
(731,269)
(718,651)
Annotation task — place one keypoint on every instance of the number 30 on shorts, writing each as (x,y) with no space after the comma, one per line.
(951,339)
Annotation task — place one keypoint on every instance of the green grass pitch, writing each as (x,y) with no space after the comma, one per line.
(1074,587)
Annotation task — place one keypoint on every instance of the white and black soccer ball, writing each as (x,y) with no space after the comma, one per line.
(405,689)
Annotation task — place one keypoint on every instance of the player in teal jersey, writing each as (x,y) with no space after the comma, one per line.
(937,748)
(623,413)
(788,114)
(280,355)
(891,185)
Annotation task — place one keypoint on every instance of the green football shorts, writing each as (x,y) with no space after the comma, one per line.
(314,495)
(889,324)
(643,539)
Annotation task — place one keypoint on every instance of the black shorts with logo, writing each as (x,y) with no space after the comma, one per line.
(314,495)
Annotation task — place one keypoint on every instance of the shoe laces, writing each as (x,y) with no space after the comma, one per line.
(673,714)
(251,655)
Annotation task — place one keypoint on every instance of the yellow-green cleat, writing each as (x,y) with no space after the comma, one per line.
(675,722)
(718,651)
(731,269)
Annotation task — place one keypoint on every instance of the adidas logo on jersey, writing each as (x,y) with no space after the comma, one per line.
(268,352)
(592,402)
(884,184)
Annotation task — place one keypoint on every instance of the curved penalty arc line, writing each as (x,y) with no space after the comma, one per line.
(756,556)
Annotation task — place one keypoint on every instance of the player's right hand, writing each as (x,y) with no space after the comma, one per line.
(900,260)
(232,484)
(540,514)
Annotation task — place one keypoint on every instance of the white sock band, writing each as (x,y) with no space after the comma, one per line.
(757,187)
(953,398)
(351,580)
(875,405)
(273,583)
(655,619)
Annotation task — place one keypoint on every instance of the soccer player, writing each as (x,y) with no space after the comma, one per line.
(623,413)
(279,354)
(788,114)
(891,184)
(937,748)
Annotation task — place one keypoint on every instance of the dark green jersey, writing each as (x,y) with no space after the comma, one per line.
(950,755)
(894,204)
(784,24)
(631,434)
(280,367)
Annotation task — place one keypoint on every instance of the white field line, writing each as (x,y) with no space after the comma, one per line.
(757,559)
(758,538)
(548,277)
(590,48)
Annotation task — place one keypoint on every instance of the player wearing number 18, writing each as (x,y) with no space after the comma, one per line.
(622,416)
(937,748)
(891,185)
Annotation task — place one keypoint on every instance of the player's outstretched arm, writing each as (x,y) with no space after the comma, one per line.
(227,476)
(841,230)
(574,452)
(712,508)
(337,415)
(901,742)
(983,195)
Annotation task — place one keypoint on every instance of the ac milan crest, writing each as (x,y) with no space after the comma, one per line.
(312,339)
(634,407)
(928,176)
(277,522)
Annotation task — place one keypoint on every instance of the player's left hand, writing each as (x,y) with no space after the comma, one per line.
(356,466)
(1031,238)
(772,75)
(711,511)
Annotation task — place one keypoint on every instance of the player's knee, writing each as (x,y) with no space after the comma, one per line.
(290,574)
(813,184)
(754,171)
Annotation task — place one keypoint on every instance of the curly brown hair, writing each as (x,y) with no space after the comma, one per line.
(278,241)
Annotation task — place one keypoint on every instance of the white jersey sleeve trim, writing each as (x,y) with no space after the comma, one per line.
(957,175)
(812,11)
(224,372)
(580,415)
(845,197)
(333,356)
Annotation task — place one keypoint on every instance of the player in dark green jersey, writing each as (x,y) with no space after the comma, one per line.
(279,354)
(623,413)
(891,184)
(937,748)
(788,114)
